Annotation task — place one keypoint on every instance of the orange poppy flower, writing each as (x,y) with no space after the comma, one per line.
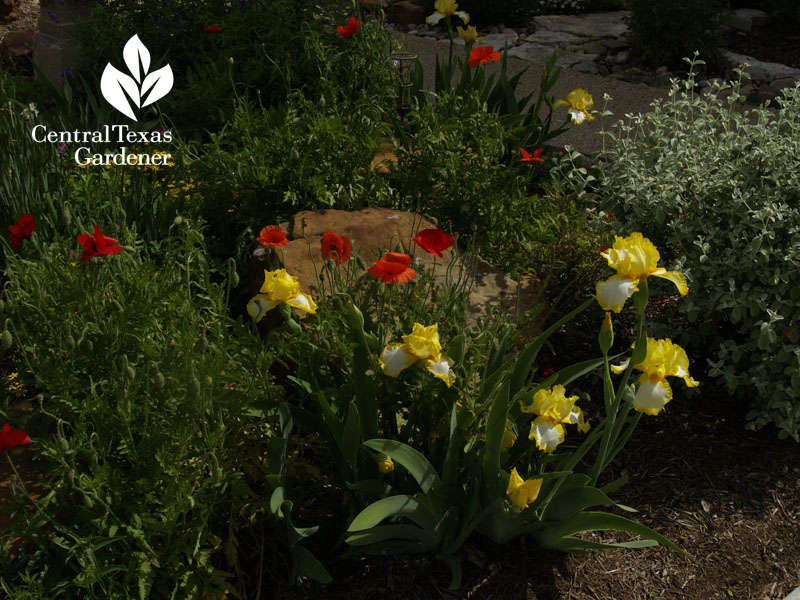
(272,235)
(352,26)
(526,157)
(393,267)
(335,248)
(482,54)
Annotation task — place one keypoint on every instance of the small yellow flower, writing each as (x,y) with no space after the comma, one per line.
(469,35)
(421,344)
(553,408)
(634,258)
(522,493)
(664,359)
(279,288)
(386,465)
(580,103)
(445,8)
(509,436)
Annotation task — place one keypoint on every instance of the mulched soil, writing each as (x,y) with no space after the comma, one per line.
(728,496)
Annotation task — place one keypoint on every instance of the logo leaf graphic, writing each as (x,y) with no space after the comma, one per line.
(114,84)
(161,82)
(135,52)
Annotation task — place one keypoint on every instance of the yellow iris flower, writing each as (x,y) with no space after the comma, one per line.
(421,344)
(445,8)
(509,436)
(664,359)
(580,103)
(279,288)
(522,493)
(386,465)
(553,408)
(635,258)
(469,35)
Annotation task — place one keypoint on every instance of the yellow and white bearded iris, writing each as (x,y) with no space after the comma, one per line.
(469,35)
(421,344)
(279,288)
(445,8)
(520,492)
(664,359)
(635,258)
(580,103)
(553,408)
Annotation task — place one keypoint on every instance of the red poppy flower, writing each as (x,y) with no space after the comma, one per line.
(213,28)
(482,54)
(272,235)
(547,371)
(23,229)
(11,438)
(393,268)
(352,26)
(97,244)
(335,248)
(531,157)
(433,241)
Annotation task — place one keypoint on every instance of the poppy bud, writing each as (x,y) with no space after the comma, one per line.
(209,381)
(234,279)
(203,344)
(177,220)
(87,501)
(63,443)
(69,340)
(293,326)
(66,214)
(158,381)
(7,340)
(356,316)
(130,373)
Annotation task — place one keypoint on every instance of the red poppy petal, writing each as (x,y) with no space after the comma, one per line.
(86,240)
(397,257)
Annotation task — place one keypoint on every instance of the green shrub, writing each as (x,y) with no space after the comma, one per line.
(664,31)
(717,190)
(263,49)
(784,11)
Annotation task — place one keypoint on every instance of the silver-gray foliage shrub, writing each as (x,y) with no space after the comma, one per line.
(717,189)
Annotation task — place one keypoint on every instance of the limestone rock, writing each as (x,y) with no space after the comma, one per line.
(406,12)
(374,231)
(553,38)
(761,70)
(586,67)
(588,25)
(744,19)
(499,40)
(529,51)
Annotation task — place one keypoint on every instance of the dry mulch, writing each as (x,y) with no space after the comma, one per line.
(728,496)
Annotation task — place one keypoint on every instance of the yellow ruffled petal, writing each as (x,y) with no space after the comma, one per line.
(579,116)
(614,291)
(441,369)
(522,493)
(302,302)
(547,435)
(423,342)
(259,305)
(677,278)
(559,103)
(394,359)
(652,397)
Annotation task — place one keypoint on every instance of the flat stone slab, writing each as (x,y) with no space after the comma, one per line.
(375,231)
(554,38)
(760,70)
(589,25)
